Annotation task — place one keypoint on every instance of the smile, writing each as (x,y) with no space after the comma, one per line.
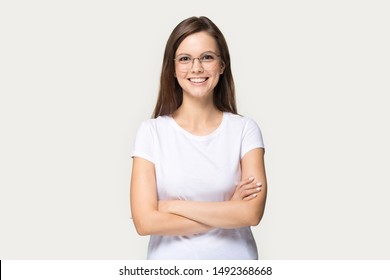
(197,80)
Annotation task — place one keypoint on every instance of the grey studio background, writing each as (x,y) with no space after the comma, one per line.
(78,77)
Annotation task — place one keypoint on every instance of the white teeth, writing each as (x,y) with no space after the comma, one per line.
(198,80)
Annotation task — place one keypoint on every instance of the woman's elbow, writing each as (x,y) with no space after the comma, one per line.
(254,218)
(255,212)
(255,221)
(141,231)
(141,227)
(144,221)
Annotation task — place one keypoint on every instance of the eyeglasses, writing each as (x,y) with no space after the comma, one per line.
(206,59)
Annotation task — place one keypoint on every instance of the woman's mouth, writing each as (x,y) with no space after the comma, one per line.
(197,80)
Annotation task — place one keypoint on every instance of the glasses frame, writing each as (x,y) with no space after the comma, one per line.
(190,63)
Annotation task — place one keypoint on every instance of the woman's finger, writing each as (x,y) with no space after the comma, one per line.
(245,182)
(250,193)
(250,197)
(251,186)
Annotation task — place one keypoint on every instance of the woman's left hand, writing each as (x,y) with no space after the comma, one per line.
(246,190)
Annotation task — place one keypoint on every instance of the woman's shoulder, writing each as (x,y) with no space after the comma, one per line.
(240,120)
(248,129)
(155,123)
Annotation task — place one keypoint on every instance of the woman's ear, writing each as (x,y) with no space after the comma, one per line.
(222,68)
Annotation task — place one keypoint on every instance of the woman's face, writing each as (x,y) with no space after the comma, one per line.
(198,77)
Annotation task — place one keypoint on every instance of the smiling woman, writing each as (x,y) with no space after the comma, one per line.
(198,76)
(198,181)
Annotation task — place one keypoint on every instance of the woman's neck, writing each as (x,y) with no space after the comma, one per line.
(199,118)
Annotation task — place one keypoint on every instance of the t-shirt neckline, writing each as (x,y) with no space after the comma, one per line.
(200,137)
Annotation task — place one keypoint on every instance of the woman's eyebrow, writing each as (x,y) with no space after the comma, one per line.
(200,54)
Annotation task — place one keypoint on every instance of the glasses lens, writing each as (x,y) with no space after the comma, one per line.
(184,59)
(208,58)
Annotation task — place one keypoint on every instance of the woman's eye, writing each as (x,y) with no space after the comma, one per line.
(208,57)
(185,59)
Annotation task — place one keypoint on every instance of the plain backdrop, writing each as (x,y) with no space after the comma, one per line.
(78,77)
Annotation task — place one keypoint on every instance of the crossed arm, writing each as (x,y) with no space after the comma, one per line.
(177,217)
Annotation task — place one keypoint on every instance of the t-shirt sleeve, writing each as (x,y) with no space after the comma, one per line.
(251,137)
(143,144)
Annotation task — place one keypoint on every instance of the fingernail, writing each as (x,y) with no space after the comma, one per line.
(258,189)
(254,195)
(251,178)
(258,184)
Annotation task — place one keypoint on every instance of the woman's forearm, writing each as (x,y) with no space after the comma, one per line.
(158,223)
(226,214)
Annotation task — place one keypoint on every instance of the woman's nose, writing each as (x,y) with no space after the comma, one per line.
(196,66)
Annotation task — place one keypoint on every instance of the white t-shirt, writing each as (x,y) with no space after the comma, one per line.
(199,168)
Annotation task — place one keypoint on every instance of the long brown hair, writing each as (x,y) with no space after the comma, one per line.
(170,95)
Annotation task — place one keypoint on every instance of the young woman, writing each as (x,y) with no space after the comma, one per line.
(198,180)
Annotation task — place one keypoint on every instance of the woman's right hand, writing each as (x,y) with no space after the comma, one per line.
(246,190)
